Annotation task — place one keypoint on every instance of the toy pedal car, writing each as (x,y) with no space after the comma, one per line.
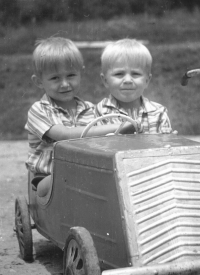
(121,204)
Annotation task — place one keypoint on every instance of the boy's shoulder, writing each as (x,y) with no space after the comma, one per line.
(108,101)
(43,101)
(84,105)
(151,105)
(87,103)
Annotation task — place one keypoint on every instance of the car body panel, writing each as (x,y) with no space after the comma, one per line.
(138,196)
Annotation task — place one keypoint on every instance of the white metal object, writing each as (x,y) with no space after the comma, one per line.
(99,44)
(188,75)
(187,267)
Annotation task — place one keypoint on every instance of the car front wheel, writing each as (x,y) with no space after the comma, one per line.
(80,256)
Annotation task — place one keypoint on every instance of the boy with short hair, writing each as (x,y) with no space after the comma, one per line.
(126,73)
(60,114)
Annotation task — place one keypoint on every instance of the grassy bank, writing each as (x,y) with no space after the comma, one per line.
(173,42)
(173,27)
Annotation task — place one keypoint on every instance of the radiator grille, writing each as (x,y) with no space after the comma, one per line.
(165,200)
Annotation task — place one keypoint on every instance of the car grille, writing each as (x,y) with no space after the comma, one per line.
(165,201)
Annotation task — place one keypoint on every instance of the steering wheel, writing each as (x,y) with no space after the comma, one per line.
(125,118)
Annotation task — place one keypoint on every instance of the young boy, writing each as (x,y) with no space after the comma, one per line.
(60,114)
(126,73)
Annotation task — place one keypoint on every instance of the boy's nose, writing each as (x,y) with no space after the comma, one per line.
(128,79)
(64,83)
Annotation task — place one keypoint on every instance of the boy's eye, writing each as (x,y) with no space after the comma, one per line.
(72,75)
(119,73)
(136,74)
(54,78)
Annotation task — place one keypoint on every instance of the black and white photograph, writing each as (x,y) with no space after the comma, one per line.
(99,137)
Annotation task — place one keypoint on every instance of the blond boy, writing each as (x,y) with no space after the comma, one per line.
(126,73)
(60,114)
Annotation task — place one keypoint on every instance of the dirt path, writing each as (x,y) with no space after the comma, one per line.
(13,182)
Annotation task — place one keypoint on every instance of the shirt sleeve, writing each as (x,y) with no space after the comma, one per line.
(98,109)
(41,118)
(99,112)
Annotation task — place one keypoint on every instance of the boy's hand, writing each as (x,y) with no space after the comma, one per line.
(168,131)
(128,128)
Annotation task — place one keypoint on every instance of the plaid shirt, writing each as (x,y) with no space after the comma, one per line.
(152,117)
(41,117)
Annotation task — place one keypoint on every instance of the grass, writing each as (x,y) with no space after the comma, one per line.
(173,42)
(174,27)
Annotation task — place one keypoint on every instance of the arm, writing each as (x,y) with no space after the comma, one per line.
(42,125)
(60,132)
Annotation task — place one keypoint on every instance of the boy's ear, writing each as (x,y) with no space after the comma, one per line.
(149,79)
(104,80)
(37,81)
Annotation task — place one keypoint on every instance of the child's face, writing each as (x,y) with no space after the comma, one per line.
(61,84)
(126,81)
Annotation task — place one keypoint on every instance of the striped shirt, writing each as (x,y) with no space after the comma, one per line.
(41,117)
(151,117)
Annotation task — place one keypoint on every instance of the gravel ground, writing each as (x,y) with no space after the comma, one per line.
(13,182)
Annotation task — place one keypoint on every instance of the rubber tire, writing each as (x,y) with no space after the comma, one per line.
(23,228)
(80,256)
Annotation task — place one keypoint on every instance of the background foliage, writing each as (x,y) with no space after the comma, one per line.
(15,12)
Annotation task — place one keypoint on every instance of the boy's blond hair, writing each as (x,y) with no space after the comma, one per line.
(51,52)
(129,50)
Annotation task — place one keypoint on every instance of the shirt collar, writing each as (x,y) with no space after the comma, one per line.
(146,105)
(81,105)
(112,102)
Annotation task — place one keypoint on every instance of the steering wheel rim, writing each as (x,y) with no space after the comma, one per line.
(126,118)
